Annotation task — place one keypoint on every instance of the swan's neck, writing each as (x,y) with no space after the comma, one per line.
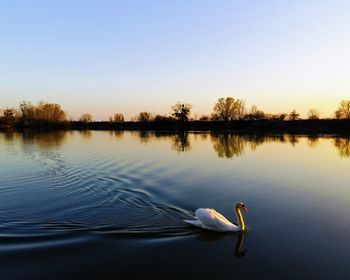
(240,218)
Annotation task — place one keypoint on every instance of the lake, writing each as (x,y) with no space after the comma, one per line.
(111,204)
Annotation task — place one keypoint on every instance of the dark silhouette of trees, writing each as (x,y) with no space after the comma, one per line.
(164,119)
(228,109)
(255,114)
(144,117)
(49,112)
(293,116)
(204,118)
(181,111)
(85,118)
(45,115)
(338,114)
(10,115)
(118,117)
(279,117)
(27,110)
(313,114)
(42,112)
(343,111)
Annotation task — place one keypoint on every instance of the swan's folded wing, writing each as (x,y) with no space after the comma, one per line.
(210,218)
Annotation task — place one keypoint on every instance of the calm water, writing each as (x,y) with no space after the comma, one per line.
(110,205)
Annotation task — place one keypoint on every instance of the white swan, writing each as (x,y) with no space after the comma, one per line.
(210,219)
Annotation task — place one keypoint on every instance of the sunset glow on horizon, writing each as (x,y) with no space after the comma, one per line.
(104,57)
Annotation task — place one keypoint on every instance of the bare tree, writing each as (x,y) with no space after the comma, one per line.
(255,114)
(49,112)
(164,118)
(85,118)
(118,117)
(293,115)
(44,111)
(27,110)
(204,118)
(144,117)
(10,115)
(181,111)
(279,117)
(228,109)
(313,114)
(343,111)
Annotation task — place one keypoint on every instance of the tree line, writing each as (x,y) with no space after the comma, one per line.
(230,109)
(42,114)
(225,109)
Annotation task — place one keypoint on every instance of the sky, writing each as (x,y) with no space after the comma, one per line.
(103,57)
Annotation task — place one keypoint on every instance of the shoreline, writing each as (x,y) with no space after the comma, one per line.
(322,126)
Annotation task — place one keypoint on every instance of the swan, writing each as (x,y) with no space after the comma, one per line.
(210,219)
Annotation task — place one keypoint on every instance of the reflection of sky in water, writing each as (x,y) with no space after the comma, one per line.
(296,188)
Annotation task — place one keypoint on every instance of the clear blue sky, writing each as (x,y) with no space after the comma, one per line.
(130,56)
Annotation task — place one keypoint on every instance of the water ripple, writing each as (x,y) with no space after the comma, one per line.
(104,194)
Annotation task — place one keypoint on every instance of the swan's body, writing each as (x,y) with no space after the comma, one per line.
(210,219)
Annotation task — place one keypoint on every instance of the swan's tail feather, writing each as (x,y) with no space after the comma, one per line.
(195,223)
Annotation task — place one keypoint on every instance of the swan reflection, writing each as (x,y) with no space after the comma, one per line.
(212,237)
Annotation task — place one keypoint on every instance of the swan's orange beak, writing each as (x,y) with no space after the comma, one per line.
(245,209)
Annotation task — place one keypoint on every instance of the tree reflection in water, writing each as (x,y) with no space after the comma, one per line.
(45,141)
(343,146)
(181,142)
(293,139)
(41,143)
(227,145)
(45,149)
(85,134)
(9,136)
(144,135)
(313,141)
(118,134)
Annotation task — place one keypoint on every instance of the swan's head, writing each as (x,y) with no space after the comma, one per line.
(241,205)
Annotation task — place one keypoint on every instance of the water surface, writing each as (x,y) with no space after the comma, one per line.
(111,205)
